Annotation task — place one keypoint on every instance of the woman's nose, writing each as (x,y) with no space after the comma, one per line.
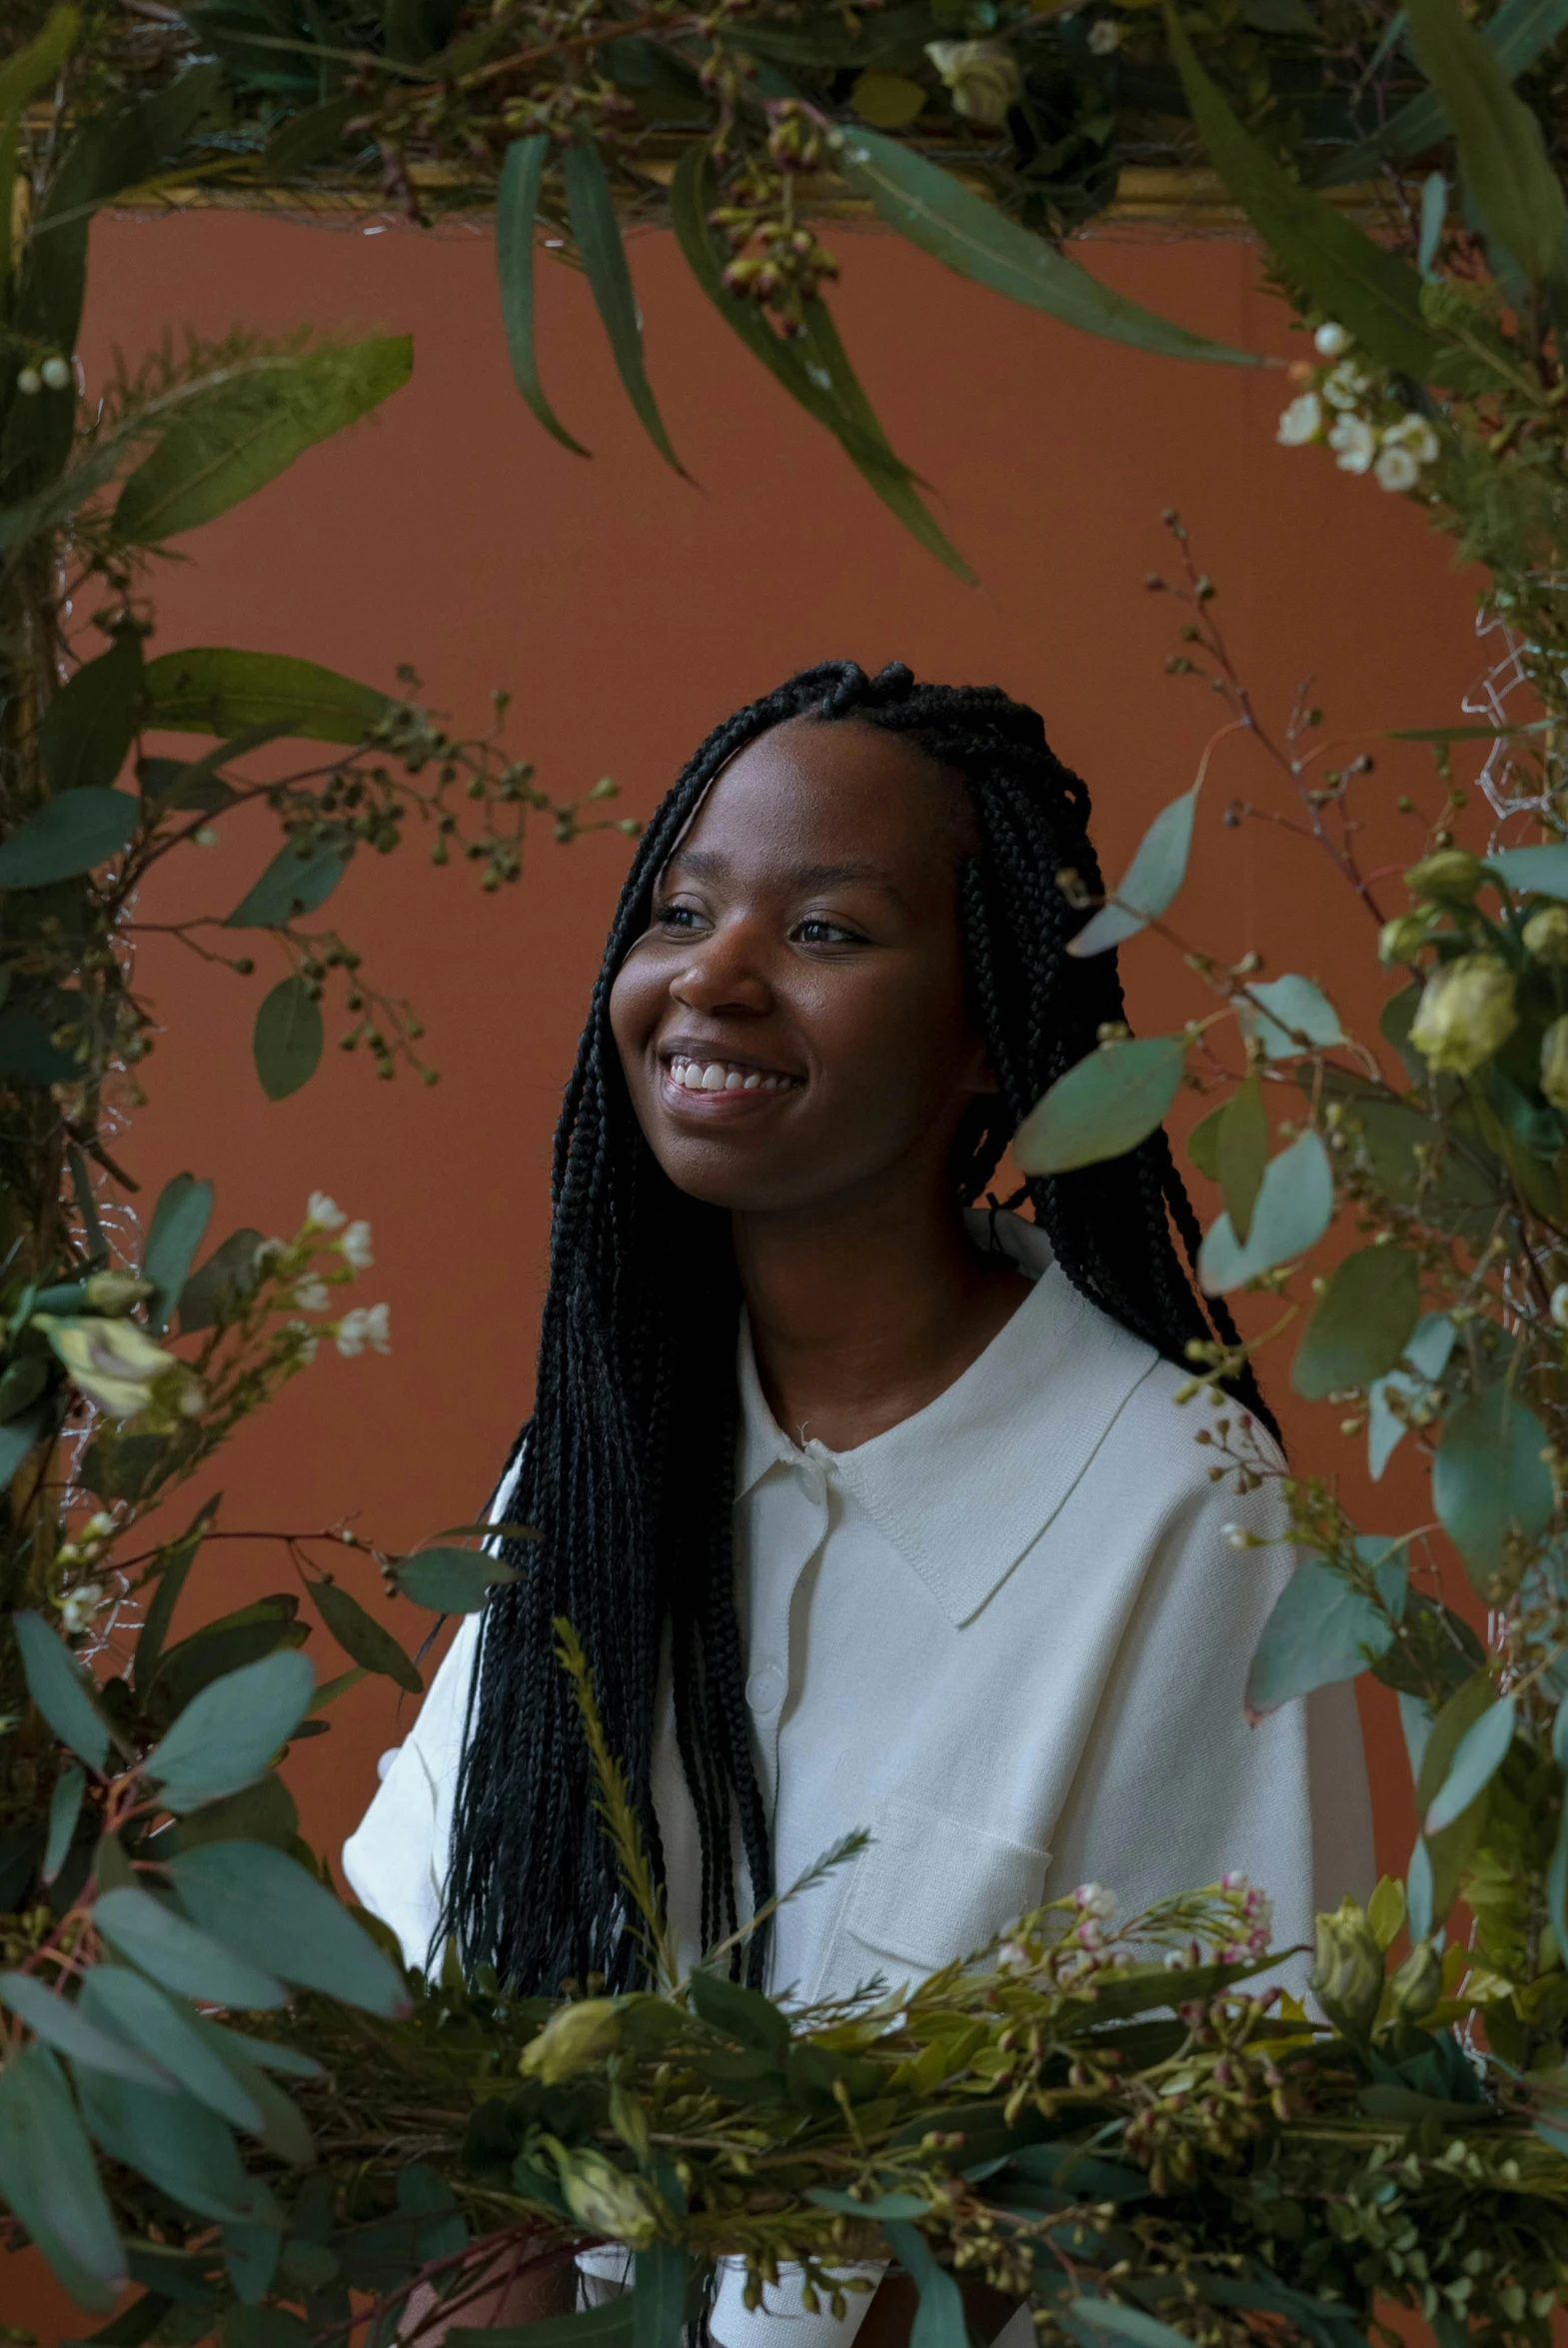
(723,974)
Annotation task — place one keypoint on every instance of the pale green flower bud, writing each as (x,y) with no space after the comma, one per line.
(1348,1970)
(1418,1984)
(984,77)
(1452,874)
(1554,1063)
(113,1291)
(1546,935)
(1402,939)
(574,2037)
(604,2200)
(114,1362)
(1466,1013)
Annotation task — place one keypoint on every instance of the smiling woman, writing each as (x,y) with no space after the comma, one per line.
(873,1511)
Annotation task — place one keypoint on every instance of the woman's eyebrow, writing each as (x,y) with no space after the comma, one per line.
(708,864)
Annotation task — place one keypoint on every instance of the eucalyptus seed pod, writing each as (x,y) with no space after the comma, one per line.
(1453,874)
(606,2200)
(1466,1013)
(1348,1970)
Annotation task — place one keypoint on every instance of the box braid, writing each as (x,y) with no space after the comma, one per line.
(628,1466)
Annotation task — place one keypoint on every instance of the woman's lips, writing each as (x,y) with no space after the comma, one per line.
(705,1087)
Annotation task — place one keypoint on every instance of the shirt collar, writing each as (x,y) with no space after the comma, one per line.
(1018,1427)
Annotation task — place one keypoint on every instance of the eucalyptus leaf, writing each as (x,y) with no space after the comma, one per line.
(28,1052)
(517,208)
(300,878)
(1203,1142)
(65,1807)
(211,689)
(170,1567)
(607,2326)
(228,1277)
(61,1689)
(451,1581)
(1100,2318)
(592,209)
(1448,1852)
(1556,1894)
(68,836)
(165,1944)
(939,2316)
(660,2277)
(1322,1629)
(1480,1753)
(1150,882)
(288,1038)
(1427,1355)
(1502,154)
(1539,872)
(50,2183)
(70,2027)
(1241,1153)
(1293,1016)
(172,2141)
(178,1225)
(88,727)
(227,442)
(361,1635)
(1369,289)
(957,226)
(227,1736)
(1517,34)
(1295,1204)
(256,1899)
(1489,1479)
(310,137)
(1363,1321)
(135,2012)
(1104,1106)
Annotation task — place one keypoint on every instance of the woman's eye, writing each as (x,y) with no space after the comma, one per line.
(818,931)
(676,916)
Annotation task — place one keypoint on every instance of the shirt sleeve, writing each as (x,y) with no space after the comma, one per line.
(1175,1788)
(395,1860)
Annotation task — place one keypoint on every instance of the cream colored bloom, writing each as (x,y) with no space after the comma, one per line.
(606,2200)
(313,1295)
(1104,37)
(114,1362)
(1413,432)
(355,1244)
(1332,341)
(1346,385)
(1301,420)
(324,1213)
(1396,468)
(984,77)
(575,2036)
(1554,1063)
(1354,443)
(79,1605)
(1466,1013)
(366,1325)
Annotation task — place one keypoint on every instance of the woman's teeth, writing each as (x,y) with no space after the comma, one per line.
(718,1076)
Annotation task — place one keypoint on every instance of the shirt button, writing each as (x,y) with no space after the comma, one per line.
(765,1690)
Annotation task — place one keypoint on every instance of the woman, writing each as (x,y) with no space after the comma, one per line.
(870,1515)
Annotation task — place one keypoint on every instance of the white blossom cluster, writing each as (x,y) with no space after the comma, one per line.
(1345,410)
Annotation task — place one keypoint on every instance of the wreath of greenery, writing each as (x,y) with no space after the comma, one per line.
(1114,2124)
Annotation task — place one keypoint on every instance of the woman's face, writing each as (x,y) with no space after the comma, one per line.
(792,1024)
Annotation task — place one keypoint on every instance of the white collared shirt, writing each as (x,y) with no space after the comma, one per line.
(1010,1640)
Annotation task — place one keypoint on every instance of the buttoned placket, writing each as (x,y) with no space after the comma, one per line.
(789,1515)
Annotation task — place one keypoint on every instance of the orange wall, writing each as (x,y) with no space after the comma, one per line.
(626,610)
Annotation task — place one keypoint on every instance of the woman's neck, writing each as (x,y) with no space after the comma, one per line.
(865,1311)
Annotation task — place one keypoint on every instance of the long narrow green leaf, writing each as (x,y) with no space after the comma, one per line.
(1501,151)
(592,215)
(957,226)
(20,76)
(516,207)
(811,368)
(1516,36)
(1369,290)
(49,2179)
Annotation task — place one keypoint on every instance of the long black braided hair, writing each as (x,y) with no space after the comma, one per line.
(632,1381)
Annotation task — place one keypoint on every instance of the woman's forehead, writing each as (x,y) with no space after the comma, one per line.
(843,790)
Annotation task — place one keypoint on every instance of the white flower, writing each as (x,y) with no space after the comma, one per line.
(984,77)
(1013,1957)
(79,1605)
(313,1295)
(1413,432)
(1332,341)
(305,1337)
(1344,385)
(1092,1899)
(98,1527)
(1236,1535)
(355,1244)
(324,1213)
(56,373)
(1355,442)
(1302,421)
(1560,1304)
(29,383)
(1104,37)
(114,1362)
(365,1326)
(267,1255)
(205,835)
(1396,468)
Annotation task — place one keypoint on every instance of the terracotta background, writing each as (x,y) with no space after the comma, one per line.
(627,611)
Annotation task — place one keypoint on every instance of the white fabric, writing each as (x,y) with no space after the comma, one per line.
(1008,1638)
